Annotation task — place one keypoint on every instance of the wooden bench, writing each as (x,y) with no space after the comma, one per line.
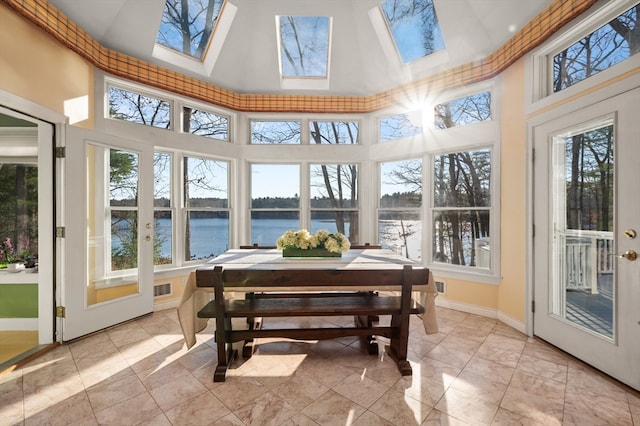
(344,302)
(368,321)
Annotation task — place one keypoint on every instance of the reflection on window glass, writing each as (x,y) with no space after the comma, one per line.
(605,47)
(275,201)
(123,201)
(206,183)
(343,221)
(18,213)
(138,108)
(589,180)
(334,132)
(401,184)
(399,221)
(163,224)
(467,110)
(304,45)
(334,185)
(206,234)
(401,231)
(401,126)
(206,201)
(414,26)
(334,198)
(124,239)
(207,124)
(461,208)
(187,25)
(275,132)
(582,204)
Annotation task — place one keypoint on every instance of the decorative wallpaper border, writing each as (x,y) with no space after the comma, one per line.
(54,22)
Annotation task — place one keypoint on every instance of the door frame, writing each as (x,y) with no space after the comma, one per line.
(82,319)
(52,122)
(610,91)
(566,109)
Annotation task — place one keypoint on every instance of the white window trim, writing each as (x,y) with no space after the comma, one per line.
(367,153)
(539,63)
(489,275)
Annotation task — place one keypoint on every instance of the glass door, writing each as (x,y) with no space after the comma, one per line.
(587,216)
(26,237)
(110,278)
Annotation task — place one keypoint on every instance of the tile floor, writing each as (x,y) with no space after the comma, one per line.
(476,371)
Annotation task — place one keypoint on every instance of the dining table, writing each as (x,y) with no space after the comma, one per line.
(198,295)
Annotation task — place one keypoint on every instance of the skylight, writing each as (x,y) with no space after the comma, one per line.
(188,29)
(304,46)
(414,26)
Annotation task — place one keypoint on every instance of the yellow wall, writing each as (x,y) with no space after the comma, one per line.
(35,67)
(513,190)
(38,68)
(509,297)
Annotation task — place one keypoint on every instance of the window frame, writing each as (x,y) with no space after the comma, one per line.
(139,91)
(183,211)
(416,209)
(539,67)
(492,209)
(240,153)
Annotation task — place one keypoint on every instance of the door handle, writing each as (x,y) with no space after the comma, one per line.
(629,255)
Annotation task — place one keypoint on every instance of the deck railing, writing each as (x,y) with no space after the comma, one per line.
(587,254)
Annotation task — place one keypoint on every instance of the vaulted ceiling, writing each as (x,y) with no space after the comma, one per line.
(246,53)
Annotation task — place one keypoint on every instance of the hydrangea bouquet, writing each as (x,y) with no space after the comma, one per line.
(303,243)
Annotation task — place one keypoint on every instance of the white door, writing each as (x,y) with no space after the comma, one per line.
(587,234)
(26,142)
(108,244)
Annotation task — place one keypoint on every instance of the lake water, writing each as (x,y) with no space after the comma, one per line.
(210,236)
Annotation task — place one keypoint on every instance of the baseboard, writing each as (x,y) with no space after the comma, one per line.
(482,311)
(171,304)
(464,307)
(512,322)
(13,324)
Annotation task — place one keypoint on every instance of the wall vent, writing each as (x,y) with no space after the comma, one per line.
(162,290)
(441,287)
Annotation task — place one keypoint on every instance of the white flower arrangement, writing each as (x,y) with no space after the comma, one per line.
(302,239)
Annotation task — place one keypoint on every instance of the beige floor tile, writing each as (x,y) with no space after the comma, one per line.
(177,392)
(535,397)
(332,408)
(474,371)
(429,381)
(106,395)
(268,409)
(507,418)
(468,407)
(438,418)
(60,410)
(360,389)
(370,419)
(501,349)
(400,409)
(235,392)
(132,411)
(202,410)
(300,391)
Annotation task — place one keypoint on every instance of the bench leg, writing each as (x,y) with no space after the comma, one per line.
(226,354)
(397,349)
(221,369)
(367,321)
(247,348)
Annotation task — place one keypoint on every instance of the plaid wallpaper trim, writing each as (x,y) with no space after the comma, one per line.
(50,19)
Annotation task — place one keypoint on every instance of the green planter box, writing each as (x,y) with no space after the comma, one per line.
(312,252)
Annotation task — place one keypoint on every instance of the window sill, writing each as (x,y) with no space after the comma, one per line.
(471,276)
